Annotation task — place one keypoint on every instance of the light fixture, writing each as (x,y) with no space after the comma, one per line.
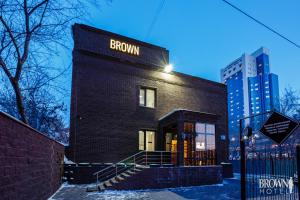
(168,68)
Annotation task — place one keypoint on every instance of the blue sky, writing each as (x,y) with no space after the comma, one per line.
(205,35)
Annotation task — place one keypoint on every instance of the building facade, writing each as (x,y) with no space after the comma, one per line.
(123,102)
(252,89)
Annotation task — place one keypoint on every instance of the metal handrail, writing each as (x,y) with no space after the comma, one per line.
(138,159)
(118,163)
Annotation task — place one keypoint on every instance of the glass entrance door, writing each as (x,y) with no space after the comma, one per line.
(189,150)
(147,140)
(171,145)
(150,140)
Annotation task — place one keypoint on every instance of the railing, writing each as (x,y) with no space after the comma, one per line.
(140,159)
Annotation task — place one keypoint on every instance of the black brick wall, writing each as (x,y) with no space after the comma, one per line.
(105,115)
(157,178)
(31,164)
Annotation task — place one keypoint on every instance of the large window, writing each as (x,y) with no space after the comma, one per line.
(205,139)
(147,140)
(147,97)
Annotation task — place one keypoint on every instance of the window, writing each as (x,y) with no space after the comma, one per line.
(205,139)
(141,140)
(147,140)
(168,141)
(147,97)
(188,127)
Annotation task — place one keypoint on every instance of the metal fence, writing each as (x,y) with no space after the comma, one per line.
(269,170)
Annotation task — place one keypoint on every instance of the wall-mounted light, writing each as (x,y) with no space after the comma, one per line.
(168,68)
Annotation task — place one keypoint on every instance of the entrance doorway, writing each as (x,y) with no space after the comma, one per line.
(197,148)
(190,137)
(171,145)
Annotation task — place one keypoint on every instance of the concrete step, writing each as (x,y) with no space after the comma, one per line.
(125,175)
(92,189)
(138,170)
(113,181)
(120,178)
(141,166)
(130,172)
(107,184)
(101,187)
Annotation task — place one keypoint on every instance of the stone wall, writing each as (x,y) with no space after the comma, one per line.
(31,164)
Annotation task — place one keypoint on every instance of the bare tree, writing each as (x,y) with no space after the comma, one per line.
(30,33)
(290,102)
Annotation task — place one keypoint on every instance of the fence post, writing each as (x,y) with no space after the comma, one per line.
(161,158)
(116,169)
(298,167)
(243,163)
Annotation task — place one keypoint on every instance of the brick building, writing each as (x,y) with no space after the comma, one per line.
(123,102)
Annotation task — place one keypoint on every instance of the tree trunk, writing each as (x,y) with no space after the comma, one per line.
(19,101)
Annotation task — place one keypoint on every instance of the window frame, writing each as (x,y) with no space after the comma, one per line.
(205,134)
(144,88)
(145,136)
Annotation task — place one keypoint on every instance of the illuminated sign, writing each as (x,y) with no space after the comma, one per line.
(124,47)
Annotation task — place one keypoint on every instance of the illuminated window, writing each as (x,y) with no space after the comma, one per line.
(188,127)
(147,97)
(205,139)
(141,140)
(147,140)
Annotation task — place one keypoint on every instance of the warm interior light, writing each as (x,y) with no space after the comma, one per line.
(168,68)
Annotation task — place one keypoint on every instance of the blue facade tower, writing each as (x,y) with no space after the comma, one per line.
(252,89)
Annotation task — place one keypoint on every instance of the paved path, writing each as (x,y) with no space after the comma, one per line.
(228,190)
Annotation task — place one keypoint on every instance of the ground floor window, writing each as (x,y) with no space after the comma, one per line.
(205,139)
(147,140)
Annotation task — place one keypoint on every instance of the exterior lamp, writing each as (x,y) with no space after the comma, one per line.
(168,68)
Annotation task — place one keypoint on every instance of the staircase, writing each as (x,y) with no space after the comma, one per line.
(110,176)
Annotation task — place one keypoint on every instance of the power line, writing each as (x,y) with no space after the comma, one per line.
(158,10)
(262,24)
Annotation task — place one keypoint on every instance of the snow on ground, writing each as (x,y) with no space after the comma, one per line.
(228,190)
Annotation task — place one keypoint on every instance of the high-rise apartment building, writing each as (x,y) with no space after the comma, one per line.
(252,89)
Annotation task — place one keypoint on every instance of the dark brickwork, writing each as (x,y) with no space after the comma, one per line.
(82,173)
(31,164)
(156,178)
(105,111)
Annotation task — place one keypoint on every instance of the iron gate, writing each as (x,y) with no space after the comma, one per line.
(268,170)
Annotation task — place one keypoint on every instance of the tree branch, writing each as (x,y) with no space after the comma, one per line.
(11,36)
(41,19)
(4,67)
(37,6)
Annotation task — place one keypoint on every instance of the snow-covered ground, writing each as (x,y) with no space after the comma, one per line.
(228,190)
